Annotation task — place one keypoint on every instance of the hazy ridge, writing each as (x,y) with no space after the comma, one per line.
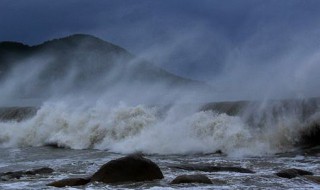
(78,63)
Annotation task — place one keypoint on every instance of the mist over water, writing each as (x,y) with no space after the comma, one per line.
(126,105)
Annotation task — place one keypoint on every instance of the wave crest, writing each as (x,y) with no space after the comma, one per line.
(126,129)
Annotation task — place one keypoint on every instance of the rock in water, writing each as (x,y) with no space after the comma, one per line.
(18,174)
(293,172)
(11,175)
(69,182)
(315,179)
(198,178)
(40,171)
(131,168)
(210,168)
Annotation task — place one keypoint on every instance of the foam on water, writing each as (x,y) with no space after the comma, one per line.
(83,163)
(126,129)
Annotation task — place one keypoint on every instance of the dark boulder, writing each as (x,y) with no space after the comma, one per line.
(69,182)
(131,168)
(210,168)
(293,172)
(198,178)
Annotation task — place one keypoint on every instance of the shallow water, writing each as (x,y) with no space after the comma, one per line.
(82,163)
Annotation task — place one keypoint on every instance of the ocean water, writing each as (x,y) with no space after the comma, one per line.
(82,163)
(89,136)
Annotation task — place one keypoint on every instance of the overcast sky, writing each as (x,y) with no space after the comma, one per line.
(257,42)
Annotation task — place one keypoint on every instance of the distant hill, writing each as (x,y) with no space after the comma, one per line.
(77,62)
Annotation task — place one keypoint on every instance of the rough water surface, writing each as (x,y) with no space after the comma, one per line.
(83,163)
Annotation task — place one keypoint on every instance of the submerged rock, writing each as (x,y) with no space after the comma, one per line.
(198,178)
(70,182)
(18,174)
(210,168)
(39,171)
(293,172)
(131,168)
(11,175)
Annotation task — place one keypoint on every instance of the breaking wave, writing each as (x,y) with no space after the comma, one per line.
(150,129)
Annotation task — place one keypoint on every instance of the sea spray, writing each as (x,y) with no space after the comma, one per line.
(121,128)
(76,128)
(201,132)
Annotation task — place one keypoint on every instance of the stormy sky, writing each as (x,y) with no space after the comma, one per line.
(247,45)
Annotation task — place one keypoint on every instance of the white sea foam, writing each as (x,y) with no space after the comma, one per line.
(127,129)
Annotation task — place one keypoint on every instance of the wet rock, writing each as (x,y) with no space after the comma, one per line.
(315,179)
(70,182)
(309,135)
(131,168)
(313,151)
(56,145)
(11,175)
(40,171)
(293,172)
(210,168)
(18,174)
(198,178)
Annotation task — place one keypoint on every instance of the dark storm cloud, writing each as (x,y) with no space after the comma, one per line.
(205,40)
(35,21)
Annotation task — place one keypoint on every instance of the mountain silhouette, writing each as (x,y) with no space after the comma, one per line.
(77,62)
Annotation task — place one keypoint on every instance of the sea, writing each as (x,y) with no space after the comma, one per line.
(75,140)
